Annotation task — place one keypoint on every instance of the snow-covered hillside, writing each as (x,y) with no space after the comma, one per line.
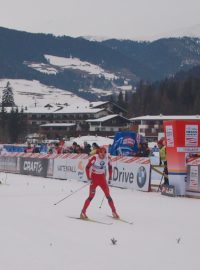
(57,64)
(34,94)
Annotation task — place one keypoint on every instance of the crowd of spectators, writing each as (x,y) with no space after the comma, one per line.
(60,147)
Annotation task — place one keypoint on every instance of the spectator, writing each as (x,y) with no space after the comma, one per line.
(86,148)
(143,150)
(162,151)
(73,148)
(95,148)
(154,149)
(78,150)
(29,148)
(36,149)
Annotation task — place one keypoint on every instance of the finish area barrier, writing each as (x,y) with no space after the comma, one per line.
(128,172)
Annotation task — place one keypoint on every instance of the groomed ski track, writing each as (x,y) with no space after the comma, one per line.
(36,235)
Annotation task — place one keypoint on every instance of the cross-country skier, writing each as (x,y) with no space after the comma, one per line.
(96,173)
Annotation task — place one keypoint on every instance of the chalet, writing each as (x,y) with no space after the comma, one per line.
(109,123)
(110,106)
(60,114)
(57,130)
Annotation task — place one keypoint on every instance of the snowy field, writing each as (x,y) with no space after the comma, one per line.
(38,235)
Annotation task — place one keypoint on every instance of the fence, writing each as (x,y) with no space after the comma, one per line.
(128,172)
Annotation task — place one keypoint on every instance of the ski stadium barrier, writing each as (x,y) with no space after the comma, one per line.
(128,172)
(131,172)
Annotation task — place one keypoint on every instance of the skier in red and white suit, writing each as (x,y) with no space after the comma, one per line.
(96,173)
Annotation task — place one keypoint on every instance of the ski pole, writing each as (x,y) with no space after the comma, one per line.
(102,201)
(71,194)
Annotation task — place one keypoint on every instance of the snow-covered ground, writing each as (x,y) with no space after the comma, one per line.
(37,235)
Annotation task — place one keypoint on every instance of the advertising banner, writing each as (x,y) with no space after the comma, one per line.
(70,168)
(125,144)
(60,168)
(76,169)
(33,166)
(10,164)
(50,168)
(2,163)
(182,139)
(193,177)
(131,173)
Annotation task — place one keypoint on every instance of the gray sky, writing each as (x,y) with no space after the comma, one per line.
(135,19)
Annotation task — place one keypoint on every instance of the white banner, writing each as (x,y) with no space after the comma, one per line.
(60,168)
(128,172)
(70,169)
(194,177)
(170,136)
(133,175)
(76,169)
(191,135)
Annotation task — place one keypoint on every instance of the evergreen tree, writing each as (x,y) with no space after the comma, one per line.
(8,97)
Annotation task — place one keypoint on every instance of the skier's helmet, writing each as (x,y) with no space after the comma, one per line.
(102,150)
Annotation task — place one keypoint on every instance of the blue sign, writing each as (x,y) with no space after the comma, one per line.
(125,144)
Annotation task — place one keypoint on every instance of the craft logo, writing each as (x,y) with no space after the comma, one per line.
(128,140)
(33,166)
(141,176)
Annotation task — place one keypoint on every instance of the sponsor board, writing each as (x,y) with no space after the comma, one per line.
(70,169)
(11,164)
(2,163)
(60,168)
(193,178)
(170,136)
(50,168)
(33,166)
(131,175)
(168,190)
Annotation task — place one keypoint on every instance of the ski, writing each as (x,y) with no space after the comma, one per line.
(122,220)
(91,220)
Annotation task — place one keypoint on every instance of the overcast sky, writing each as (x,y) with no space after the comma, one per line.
(134,19)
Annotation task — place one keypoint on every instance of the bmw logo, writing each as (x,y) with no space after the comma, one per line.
(141,176)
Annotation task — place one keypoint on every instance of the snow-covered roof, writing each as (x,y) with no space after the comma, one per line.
(105,118)
(166,117)
(58,125)
(78,109)
(63,110)
(98,103)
